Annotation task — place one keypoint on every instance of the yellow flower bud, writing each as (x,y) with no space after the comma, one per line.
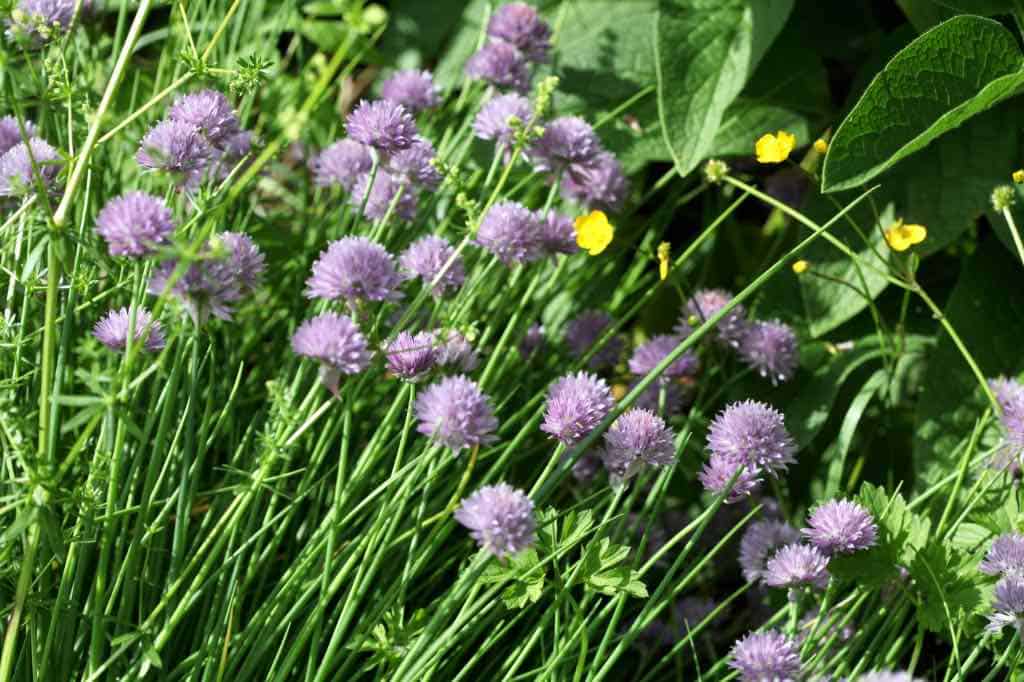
(820,146)
(664,250)
(1018,176)
(800,267)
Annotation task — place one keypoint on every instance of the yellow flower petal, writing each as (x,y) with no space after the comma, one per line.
(1018,176)
(593,232)
(774,148)
(664,250)
(901,236)
(820,146)
(800,267)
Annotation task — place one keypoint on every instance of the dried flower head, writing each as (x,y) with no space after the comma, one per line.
(384,125)
(380,196)
(510,231)
(766,657)
(797,565)
(336,342)
(598,183)
(492,121)
(25,165)
(841,527)
(455,351)
(112,330)
(650,354)
(211,114)
(411,356)
(636,438)
(566,140)
(426,257)
(770,348)
(760,541)
(341,164)
(887,676)
(413,89)
(576,405)
(134,224)
(582,334)
(455,413)
(10,133)
(1005,556)
(520,26)
(354,268)
(500,519)
(499,64)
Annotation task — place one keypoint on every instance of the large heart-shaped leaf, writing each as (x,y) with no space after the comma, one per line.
(948,75)
(704,52)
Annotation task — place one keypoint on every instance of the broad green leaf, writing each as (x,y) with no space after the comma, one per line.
(991,328)
(705,50)
(946,76)
(980,6)
(836,454)
(946,594)
(735,136)
(616,580)
(925,14)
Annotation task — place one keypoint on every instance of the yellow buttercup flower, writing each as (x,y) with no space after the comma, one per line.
(1018,176)
(593,232)
(820,146)
(901,236)
(800,267)
(664,250)
(774,148)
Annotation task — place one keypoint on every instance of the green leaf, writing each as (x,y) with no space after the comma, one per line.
(946,76)
(735,137)
(704,52)
(519,594)
(946,594)
(991,328)
(618,580)
(902,533)
(980,6)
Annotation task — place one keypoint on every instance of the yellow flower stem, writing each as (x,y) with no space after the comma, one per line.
(1013,231)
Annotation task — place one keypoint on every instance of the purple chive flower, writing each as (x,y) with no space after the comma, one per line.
(176,147)
(455,351)
(760,541)
(752,433)
(771,349)
(646,357)
(342,164)
(425,259)
(795,565)
(520,26)
(510,231)
(20,170)
(382,195)
(354,268)
(576,404)
(336,343)
(582,334)
(705,304)
(43,20)
(533,340)
(1006,390)
(566,140)
(411,357)
(492,121)
(455,413)
(586,467)
(415,165)
(597,184)
(500,519)
(636,438)
(1008,605)
(1009,394)
(210,112)
(413,89)
(1005,556)
(10,133)
(841,527)
(133,224)
(231,153)
(719,470)
(229,268)
(557,234)
(112,330)
(766,657)
(384,125)
(499,64)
